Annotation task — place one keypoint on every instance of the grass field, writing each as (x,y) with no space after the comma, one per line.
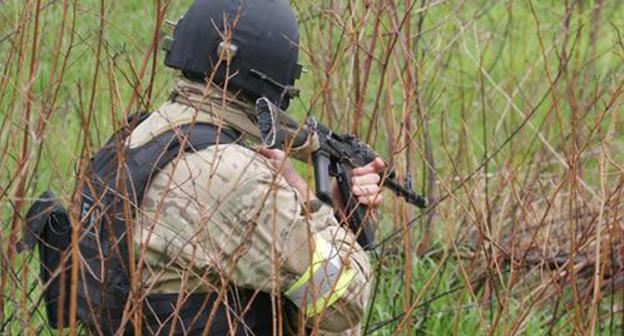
(508,115)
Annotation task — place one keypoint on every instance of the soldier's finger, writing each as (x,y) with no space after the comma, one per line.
(365,179)
(366,190)
(377,199)
(371,200)
(363,170)
(272,153)
(375,166)
(378,164)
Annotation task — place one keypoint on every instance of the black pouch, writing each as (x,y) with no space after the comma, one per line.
(48,225)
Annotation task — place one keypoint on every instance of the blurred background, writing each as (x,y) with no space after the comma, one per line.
(506,114)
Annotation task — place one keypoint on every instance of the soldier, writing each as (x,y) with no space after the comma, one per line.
(188,229)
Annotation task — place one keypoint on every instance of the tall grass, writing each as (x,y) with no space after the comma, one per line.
(506,114)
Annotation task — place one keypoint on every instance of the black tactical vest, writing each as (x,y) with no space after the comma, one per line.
(117,179)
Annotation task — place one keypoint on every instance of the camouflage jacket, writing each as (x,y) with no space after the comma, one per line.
(224,214)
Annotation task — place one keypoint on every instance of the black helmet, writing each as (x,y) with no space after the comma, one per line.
(262,52)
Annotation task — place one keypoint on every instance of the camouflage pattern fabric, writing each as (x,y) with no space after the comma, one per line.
(225,215)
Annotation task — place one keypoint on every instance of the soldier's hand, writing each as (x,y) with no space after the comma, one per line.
(365,181)
(279,160)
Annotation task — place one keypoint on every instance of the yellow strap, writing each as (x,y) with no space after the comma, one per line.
(322,256)
(338,291)
(317,260)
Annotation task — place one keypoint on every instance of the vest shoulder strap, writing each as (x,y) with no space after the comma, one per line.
(145,161)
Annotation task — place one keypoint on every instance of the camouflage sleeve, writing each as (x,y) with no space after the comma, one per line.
(260,237)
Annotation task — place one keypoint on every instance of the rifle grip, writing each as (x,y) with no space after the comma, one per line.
(356,213)
(321,162)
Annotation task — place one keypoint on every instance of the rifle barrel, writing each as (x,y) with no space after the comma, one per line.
(408,195)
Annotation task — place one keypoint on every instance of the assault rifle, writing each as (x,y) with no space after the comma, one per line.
(334,155)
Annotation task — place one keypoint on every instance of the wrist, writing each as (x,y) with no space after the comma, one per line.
(298,183)
(336,197)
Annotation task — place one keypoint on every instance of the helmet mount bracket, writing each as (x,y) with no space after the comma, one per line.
(227,51)
(288,91)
